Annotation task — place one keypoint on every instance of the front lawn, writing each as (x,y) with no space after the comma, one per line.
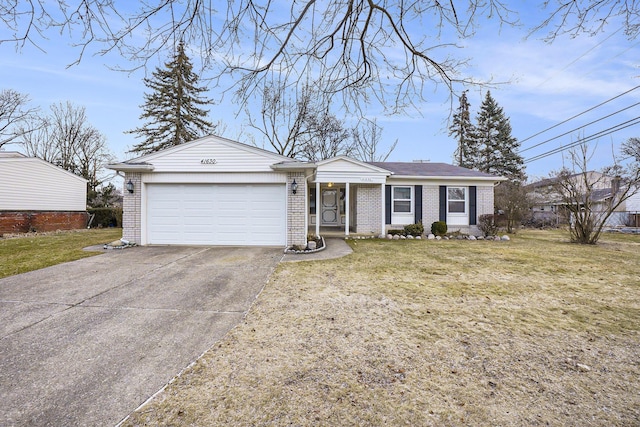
(535,331)
(34,251)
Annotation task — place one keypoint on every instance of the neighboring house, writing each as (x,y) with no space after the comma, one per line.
(214,191)
(38,196)
(548,205)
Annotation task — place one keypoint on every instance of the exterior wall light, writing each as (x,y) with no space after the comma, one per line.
(294,186)
(130,186)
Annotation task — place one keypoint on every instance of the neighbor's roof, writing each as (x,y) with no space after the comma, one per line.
(428,169)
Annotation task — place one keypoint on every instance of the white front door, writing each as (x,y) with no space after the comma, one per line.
(330,207)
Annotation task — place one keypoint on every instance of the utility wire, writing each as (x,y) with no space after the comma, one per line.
(580,114)
(579,127)
(589,138)
(579,58)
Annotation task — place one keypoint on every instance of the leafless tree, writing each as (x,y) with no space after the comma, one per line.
(39,143)
(392,47)
(513,200)
(631,148)
(14,115)
(366,142)
(577,188)
(66,139)
(327,137)
(588,17)
(300,124)
(365,50)
(283,118)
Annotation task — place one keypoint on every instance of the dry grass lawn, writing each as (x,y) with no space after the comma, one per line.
(531,332)
(28,252)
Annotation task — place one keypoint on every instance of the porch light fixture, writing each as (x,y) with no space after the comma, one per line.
(330,185)
(294,187)
(130,186)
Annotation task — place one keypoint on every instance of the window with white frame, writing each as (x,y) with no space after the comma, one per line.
(402,203)
(457,200)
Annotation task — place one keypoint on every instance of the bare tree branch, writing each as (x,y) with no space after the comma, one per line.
(14,115)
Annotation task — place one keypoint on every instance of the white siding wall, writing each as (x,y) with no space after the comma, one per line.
(213,155)
(30,184)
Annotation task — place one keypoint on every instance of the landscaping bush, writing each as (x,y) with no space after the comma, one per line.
(439,228)
(394,232)
(106,217)
(487,224)
(414,229)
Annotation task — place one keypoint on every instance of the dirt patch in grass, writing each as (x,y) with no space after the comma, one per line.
(33,251)
(535,331)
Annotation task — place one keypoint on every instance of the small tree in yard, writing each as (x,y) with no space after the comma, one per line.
(512,199)
(577,187)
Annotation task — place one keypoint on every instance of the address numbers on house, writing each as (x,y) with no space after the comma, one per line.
(208,161)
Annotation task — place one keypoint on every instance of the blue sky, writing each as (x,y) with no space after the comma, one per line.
(537,84)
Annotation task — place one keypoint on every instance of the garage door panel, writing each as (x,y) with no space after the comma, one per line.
(216,214)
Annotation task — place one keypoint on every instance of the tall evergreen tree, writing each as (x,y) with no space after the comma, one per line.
(172,110)
(462,129)
(498,148)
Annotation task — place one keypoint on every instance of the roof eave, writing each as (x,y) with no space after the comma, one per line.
(131,167)
(293,166)
(451,177)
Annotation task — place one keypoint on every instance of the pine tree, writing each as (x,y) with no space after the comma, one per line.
(172,110)
(467,153)
(498,152)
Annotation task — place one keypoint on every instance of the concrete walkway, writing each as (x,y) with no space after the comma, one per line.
(336,248)
(86,342)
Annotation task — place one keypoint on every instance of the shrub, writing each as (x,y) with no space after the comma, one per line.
(439,228)
(394,232)
(487,224)
(414,229)
(106,217)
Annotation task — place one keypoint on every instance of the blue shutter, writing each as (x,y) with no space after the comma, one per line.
(473,209)
(417,203)
(443,203)
(387,204)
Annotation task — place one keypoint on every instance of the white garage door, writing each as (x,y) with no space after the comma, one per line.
(216,214)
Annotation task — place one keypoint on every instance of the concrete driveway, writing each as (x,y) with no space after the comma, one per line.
(85,343)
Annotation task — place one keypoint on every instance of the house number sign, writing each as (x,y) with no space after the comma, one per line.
(208,161)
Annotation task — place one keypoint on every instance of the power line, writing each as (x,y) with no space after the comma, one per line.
(589,138)
(580,114)
(579,127)
(579,57)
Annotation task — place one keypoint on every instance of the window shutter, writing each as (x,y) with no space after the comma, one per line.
(417,203)
(443,203)
(473,209)
(387,204)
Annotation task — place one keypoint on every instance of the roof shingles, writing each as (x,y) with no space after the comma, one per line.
(430,169)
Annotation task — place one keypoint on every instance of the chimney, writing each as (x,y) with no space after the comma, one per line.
(615,185)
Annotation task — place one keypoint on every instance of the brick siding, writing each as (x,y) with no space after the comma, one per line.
(25,221)
(296,230)
(132,209)
(368,217)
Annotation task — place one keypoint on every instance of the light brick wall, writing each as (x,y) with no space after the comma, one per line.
(484,199)
(484,196)
(132,209)
(296,230)
(369,211)
(430,206)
